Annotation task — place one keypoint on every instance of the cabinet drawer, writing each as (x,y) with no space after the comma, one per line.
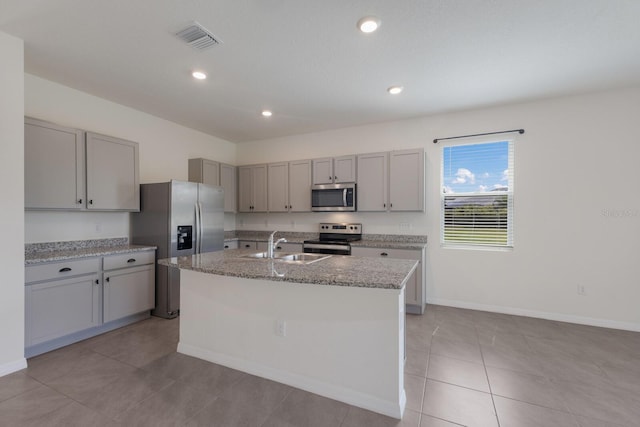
(233,244)
(113,262)
(390,253)
(60,270)
(246,244)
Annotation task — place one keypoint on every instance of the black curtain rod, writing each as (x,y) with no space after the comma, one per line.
(520,131)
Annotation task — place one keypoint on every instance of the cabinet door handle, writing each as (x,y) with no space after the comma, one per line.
(289,206)
(384,254)
(247,246)
(90,201)
(79,201)
(384,205)
(279,248)
(97,282)
(226,246)
(335,178)
(131,260)
(107,279)
(64,270)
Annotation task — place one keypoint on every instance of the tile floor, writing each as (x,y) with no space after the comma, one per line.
(464,367)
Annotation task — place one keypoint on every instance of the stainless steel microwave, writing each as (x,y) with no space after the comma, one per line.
(333,197)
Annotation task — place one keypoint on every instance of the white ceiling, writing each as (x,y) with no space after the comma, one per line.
(306,61)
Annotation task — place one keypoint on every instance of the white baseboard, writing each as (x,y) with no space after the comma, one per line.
(311,385)
(11,367)
(581,320)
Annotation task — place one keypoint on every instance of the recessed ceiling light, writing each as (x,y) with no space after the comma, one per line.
(394,90)
(368,24)
(199,75)
(267,113)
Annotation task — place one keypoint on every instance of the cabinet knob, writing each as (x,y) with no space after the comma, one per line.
(97,282)
(107,279)
(79,201)
(90,201)
(335,178)
(64,270)
(247,246)
(279,248)
(131,260)
(226,246)
(384,254)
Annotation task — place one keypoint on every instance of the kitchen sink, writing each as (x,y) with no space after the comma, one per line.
(298,258)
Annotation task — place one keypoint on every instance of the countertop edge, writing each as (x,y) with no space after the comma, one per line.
(56,256)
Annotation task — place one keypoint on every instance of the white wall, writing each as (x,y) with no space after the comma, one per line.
(577,209)
(164,150)
(11,214)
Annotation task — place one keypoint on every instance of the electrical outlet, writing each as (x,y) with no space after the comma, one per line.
(281,328)
(582,290)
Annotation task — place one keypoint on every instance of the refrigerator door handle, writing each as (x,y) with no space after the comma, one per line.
(198,228)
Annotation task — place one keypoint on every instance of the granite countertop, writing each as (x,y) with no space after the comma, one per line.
(335,270)
(392,241)
(37,253)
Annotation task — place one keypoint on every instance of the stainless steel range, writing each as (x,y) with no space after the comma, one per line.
(334,239)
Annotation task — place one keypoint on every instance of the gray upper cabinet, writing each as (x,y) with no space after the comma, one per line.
(300,186)
(373,182)
(204,171)
(69,169)
(290,186)
(406,180)
(53,166)
(228,181)
(211,172)
(333,170)
(113,181)
(252,188)
(278,187)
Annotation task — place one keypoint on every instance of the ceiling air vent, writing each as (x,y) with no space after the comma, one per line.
(197,37)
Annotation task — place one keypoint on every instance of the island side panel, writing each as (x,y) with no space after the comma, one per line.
(341,342)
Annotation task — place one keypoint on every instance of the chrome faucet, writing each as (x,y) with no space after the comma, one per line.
(271,246)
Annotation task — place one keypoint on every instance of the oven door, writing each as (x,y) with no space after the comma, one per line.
(326,248)
(333,197)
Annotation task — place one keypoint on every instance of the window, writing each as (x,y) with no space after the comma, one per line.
(477,194)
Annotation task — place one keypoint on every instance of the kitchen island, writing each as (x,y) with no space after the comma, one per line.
(334,327)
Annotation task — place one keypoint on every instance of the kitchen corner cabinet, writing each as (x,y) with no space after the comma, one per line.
(252,188)
(204,171)
(334,170)
(113,178)
(289,188)
(415,290)
(228,181)
(211,172)
(373,182)
(406,180)
(54,166)
(129,284)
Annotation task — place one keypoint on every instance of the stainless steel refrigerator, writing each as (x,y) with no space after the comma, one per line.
(180,218)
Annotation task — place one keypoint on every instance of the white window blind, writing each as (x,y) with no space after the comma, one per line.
(477,194)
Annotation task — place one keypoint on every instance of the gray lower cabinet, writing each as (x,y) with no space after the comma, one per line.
(129,284)
(61,307)
(415,291)
(69,301)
